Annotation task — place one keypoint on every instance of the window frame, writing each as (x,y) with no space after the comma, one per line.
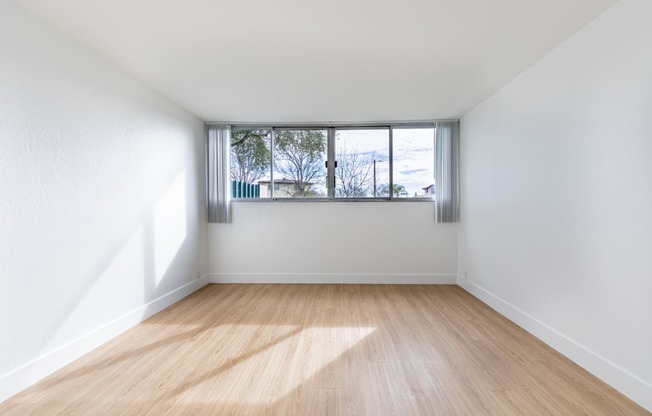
(330,129)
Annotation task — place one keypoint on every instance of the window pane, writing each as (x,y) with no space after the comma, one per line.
(300,163)
(414,158)
(362,162)
(250,155)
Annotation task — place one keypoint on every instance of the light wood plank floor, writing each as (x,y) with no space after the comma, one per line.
(323,350)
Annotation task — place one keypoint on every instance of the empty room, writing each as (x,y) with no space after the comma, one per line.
(354,207)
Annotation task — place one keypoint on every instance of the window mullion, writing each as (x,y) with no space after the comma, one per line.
(271,163)
(330,174)
(391,162)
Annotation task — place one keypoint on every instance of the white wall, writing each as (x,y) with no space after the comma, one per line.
(333,242)
(101,201)
(557,198)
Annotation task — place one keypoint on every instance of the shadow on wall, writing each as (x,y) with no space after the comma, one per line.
(150,255)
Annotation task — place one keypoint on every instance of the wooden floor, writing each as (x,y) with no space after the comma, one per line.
(323,350)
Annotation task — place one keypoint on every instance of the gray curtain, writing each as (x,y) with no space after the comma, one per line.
(447,176)
(219,173)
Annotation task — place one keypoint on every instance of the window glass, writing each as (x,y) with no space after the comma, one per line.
(250,160)
(414,158)
(300,163)
(362,157)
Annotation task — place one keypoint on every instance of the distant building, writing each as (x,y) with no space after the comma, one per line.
(429,190)
(283,188)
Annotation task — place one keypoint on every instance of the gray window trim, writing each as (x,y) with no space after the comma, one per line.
(330,127)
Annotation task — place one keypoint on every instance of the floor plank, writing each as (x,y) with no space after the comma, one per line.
(323,350)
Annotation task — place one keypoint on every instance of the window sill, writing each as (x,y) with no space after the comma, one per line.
(327,200)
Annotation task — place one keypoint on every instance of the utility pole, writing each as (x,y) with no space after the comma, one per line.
(374,178)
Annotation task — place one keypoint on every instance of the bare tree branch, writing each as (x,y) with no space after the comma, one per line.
(354,173)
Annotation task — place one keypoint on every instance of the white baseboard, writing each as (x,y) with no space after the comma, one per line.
(334,278)
(44,365)
(617,377)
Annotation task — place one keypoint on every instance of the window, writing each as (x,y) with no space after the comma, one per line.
(333,162)
(414,160)
(362,157)
(250,153)
(300,163)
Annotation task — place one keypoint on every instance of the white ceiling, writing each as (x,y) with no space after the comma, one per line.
(328,60)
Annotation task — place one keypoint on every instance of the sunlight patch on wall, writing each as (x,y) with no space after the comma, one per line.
(169,226)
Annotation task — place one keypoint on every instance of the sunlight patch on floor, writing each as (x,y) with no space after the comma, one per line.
(266,372)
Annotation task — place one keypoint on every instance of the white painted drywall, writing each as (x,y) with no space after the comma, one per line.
(101,195)
(333,240)
(557,195)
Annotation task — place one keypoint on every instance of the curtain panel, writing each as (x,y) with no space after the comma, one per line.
(219,173)
(447,182)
